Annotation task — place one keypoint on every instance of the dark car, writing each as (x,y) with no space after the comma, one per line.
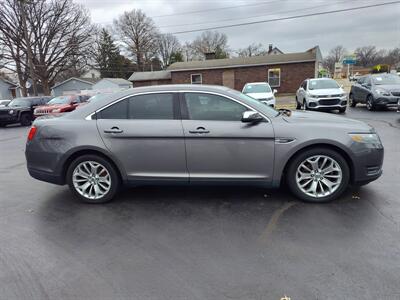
(376,90)
(198,134)
(60,104)
(20,110)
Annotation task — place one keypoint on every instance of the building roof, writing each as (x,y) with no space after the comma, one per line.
(119,81)
(309,55)
(8,82)
(84,80)
(154,75)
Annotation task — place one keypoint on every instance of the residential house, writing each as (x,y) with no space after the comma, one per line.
(73,85)
(7,89)
(112,84)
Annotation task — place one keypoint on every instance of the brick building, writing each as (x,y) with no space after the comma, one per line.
(284,72)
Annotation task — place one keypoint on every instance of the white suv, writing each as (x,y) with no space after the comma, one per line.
(321,94)
(260,91)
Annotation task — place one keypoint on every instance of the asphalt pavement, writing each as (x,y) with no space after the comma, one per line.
(199,243)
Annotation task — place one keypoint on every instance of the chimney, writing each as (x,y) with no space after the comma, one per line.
(209,55)
(269,48)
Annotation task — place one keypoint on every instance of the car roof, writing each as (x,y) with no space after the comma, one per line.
(324,78)
(257,83)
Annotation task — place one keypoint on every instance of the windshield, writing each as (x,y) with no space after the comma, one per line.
(97,97)
(19,103)
(263,108)
(322,84)
(386,79)
(257,88)
(59,100)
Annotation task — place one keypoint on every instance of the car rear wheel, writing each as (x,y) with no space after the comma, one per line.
(370,103)
(352,102)
(318,175)
(93,179)
(26,119)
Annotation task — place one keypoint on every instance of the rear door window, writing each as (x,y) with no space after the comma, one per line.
(152,107)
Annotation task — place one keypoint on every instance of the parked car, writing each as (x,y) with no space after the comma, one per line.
(20,110)
(260,91)
(376,90)
(321,94)
(198,134)
(60,104)
(4,102)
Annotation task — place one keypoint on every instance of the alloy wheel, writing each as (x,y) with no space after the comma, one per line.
(91,180)
(319,176)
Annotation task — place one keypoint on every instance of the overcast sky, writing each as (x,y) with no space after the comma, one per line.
(378,26)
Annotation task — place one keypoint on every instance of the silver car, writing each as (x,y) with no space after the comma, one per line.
(197,134)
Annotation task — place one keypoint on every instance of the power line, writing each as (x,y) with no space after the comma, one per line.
(287,18)
(215,9)
(263,15)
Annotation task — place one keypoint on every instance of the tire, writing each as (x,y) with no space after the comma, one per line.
(305,106)
(352,102)
(2,125)
(298,105)
(370,103)
(342,110)
(341,169)
(89,195)
(25,119)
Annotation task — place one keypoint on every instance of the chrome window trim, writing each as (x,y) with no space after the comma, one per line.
(89,117)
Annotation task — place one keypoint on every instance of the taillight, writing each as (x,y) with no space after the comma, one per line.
(32,133)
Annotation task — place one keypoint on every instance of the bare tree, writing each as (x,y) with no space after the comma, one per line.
(366,56)
(168,44)
(139,34)
(61,38)
(336,54)
(252,50)
(211,41)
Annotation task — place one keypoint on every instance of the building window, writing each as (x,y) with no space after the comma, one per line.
(274,77)
(196,78)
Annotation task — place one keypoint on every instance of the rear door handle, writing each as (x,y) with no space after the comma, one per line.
(199,130)
(113,130)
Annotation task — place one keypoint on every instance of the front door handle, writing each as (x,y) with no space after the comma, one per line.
(199,130)
(113,130)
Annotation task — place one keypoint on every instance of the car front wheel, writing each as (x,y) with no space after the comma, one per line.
(298,105)
(370,103)
(352,102)
(26,119)
(318,175)
(93,179)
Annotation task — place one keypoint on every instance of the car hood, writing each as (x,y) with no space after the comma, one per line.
(54,106)
(388,87)
(260,95)
(319,119)
(326,92)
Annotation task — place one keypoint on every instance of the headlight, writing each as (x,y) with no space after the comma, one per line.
(382,92)
(11,112)
(313,96)
(366,138)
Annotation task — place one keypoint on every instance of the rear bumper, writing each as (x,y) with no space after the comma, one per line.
(46,176)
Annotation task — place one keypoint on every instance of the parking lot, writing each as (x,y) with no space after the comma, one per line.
(200,243)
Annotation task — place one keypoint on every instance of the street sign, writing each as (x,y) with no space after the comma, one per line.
(349,60)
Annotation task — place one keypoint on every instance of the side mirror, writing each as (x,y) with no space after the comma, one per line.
(274,91)
(341,86)
(251,117)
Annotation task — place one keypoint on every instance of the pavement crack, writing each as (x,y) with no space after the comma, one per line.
(274,221)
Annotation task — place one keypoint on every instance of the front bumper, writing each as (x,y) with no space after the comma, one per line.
(327,103)
(367,164)
(8,119)
(388,101)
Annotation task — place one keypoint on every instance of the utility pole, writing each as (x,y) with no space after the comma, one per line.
(28,46)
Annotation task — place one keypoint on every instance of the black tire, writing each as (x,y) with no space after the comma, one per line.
(342,110)
(3,125)
(370,103)
(352,102)
(115,180)
(298,105)
(302,156)
(26,119)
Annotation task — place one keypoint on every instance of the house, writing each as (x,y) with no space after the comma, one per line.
(73,85)
(273,50)
(7,89)
(112,84)
(150,78)
(284,72)
(91,74)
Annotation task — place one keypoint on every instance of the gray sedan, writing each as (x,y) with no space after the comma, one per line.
(194,134)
